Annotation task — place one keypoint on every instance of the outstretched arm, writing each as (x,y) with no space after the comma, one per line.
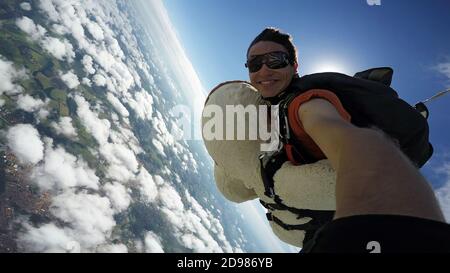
(373,175)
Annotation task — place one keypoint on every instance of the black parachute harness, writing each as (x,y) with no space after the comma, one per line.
(374,79)
(271,162)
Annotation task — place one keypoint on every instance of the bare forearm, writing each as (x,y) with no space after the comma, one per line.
(373,175)
(328,130)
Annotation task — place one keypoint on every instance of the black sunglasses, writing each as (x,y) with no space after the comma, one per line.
(273,60)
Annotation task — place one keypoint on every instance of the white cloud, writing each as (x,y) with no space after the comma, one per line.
(99,128)
(99,80)
(443,193)
(175,218)
(72,19)
(28,103)
(70,79)
(28,26)
(170,198)
(142,104)
(49,9)
(122,161)
(88,64)
(2,102)
(59,29)
(119,173)
(43,113)
(95,30)
(164,136)
(148,186)
(139,246)
(86,81)
(67,13)
(118,248)
(444,69)
(114,117)
(90,216)
(8,76)
(443,196)
(208,221)
(114,48)
(189,240)
(196,237)
(159,180)
(61,171)
(125,136)
(65,127)
(25,6)
(119,154)
(61,50)
(47,238)
(25,142)
(202,213)
(188,227)
(118,196)
(159,147)
(152,243)
(188,161)
(117,105)
(167,42)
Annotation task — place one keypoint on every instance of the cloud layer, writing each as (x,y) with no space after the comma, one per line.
(61,50)
(444,69)
(85,200)
(8,77)
(25,142)
(64,126)
(443,193)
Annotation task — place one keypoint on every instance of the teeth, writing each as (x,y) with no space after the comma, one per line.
(267,82)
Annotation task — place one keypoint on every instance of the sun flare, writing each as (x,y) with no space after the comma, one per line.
(329,67)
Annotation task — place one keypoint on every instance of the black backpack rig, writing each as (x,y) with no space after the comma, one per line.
(369,99)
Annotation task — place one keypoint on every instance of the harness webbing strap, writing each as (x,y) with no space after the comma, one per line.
(269,166)
(318,218)
(301,213)
(310,227)
(295,150)
(271,162)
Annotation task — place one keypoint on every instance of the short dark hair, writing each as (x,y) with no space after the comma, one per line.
(275,35)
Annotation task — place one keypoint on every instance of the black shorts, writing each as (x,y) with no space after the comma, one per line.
(380,233)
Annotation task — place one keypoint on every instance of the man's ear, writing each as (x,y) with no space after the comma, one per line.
(295,66)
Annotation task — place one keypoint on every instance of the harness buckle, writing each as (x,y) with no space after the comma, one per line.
(269,216)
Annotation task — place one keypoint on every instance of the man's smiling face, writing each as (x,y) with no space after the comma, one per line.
(270,82)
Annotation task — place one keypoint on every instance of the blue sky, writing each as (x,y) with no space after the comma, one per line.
(345,36)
